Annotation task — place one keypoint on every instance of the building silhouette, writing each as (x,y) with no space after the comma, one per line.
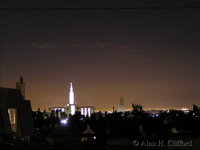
(88,135)
(15,111)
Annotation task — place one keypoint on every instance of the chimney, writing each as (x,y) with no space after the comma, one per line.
(21,86)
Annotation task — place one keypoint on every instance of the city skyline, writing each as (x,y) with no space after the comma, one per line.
(148,56)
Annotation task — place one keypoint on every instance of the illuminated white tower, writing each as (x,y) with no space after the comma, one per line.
(71,100)
(71,95)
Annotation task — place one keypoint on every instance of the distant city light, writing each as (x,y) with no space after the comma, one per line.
(64,121)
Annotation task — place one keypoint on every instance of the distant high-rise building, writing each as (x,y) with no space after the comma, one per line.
(121,104)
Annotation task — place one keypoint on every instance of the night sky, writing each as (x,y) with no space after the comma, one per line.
(147,52)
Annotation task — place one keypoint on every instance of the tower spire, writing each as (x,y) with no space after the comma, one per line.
(71,87)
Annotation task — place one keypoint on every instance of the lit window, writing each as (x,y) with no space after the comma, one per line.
(85,112)
(82,113)
(72,109)
(13,119)
(89,112)
(12,116)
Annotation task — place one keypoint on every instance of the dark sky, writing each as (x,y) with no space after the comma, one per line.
(148,52)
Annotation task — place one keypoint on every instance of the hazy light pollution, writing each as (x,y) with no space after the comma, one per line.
(149,56)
